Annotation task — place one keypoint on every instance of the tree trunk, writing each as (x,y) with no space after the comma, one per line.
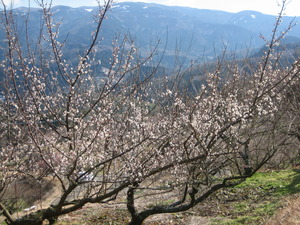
(137,221)
(27,221)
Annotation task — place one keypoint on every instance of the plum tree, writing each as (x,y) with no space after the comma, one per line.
(97,135)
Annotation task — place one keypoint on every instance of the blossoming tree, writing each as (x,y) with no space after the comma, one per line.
(99,136)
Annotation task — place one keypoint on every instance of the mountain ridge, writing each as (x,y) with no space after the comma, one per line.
(209,32)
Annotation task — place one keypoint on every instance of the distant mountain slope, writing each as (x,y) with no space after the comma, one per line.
(207,31)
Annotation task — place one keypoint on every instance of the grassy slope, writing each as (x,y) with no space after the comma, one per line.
(255,200)
(252,202)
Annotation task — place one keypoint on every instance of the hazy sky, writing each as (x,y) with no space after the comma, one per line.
(264,6)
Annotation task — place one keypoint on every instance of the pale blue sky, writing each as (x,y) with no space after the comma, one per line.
(264,6)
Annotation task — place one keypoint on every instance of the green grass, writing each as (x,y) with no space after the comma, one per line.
(258,198)
(278,182)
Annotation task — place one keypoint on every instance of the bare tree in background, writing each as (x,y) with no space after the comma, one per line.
(98,136)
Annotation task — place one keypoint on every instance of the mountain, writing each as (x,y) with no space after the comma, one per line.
(289,50)
(195,32)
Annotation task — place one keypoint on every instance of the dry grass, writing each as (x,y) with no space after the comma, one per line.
(256,200)
(289,214)
(24,193)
